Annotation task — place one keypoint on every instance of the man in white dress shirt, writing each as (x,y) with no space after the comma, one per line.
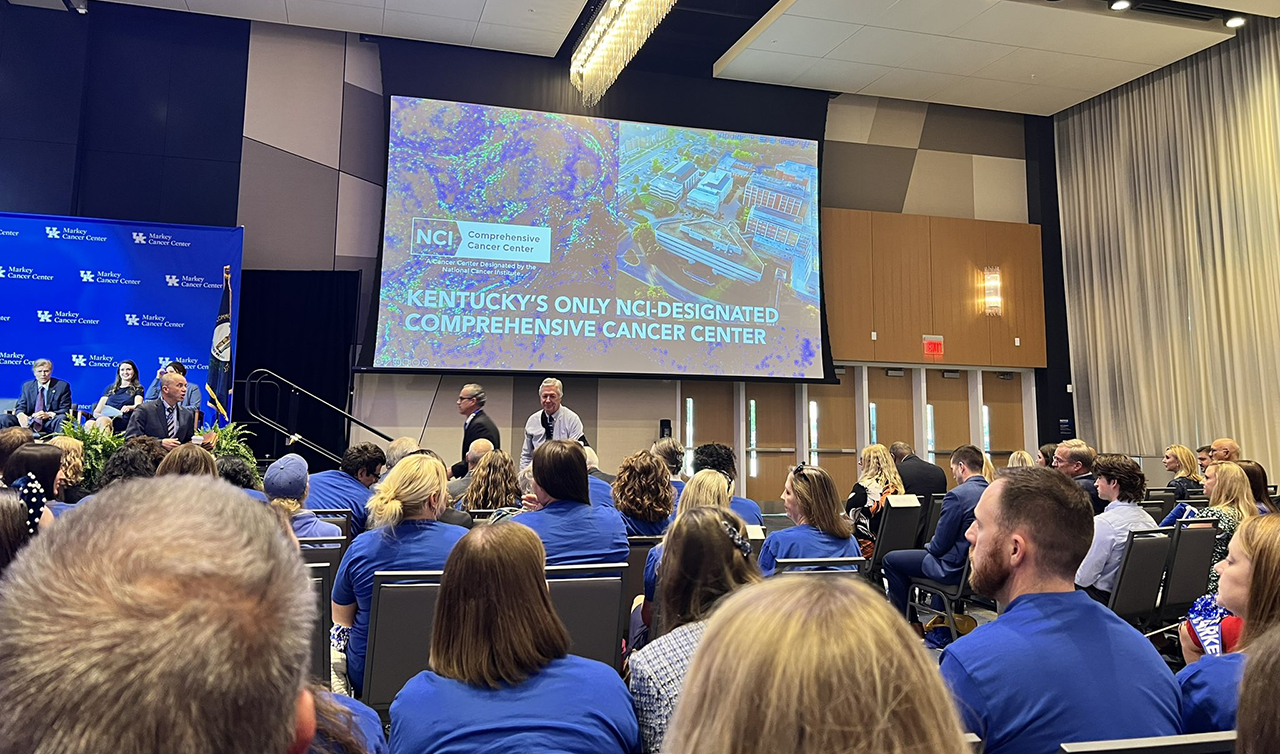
(553,422)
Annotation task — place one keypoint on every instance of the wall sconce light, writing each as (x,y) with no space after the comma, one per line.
(992,300)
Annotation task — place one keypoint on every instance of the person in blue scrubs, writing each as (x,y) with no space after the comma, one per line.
(1056,666)
(516,690)
(345,726)
(671,452)
(285,485)
(348,487)
(1248,587)
(572,530)
(405,536)
(821,531)
(721,458)
(643,495)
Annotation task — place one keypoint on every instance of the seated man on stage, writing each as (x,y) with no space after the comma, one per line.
(192,401)
(165,418)
(44,404)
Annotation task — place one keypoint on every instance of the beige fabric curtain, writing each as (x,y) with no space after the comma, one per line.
(1170,198)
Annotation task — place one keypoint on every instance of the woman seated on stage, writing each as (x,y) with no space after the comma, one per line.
(1186,471)
(515,690)
(404,536)
(643,494)
(573,531)
(821,530)
(123,395)
(1249,587)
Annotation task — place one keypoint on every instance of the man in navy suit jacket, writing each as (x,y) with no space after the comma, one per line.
(943,559)
(44,404)
(1075,459)
(151,419)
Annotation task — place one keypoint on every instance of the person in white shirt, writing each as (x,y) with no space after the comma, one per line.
(553,422)
(1123,486)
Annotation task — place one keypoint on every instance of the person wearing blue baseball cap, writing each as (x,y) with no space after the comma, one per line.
(285,485)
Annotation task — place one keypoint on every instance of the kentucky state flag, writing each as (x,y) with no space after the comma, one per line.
(219,383)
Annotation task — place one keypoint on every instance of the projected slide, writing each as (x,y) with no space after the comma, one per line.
(519,240)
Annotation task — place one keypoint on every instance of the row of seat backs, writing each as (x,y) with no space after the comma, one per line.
(1192,743)
(1164,570)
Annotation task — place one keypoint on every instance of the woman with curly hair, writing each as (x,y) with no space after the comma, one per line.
(493,484)
(869,496)
(643,494)
(70,477)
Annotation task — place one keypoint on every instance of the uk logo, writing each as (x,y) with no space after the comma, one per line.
(1,272)
(171,280)
(79,360)
(86,276)
(52,232)
(164,361)
(43,315)
(131,319)
(139,237)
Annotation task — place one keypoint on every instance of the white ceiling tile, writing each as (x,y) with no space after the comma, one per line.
(166,4)
(901,83)
(932,16)
(467,10)
(1028,66)
(881,46)
(542,15)
(849,11)
(839,75)
(766,67)
(255,10)
(803,36)
(982,93)
(321,14)
(1044,100)
(453,31)
(1096,74)
(1269,8)
(961,57)
(511,39)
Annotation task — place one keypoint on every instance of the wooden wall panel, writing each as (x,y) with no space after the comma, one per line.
(950,401)
(1003,399)
(846,277)
(837,413)
(902,306)
(771,474)
(1015,248)
(776,413)
(843,468)
(712,411)
(958,251)
(894,406)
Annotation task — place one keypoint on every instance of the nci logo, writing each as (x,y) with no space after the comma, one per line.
(463,239)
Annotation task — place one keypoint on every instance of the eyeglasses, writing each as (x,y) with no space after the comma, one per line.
(462,398)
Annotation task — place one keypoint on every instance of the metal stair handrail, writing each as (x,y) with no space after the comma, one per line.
(252,387)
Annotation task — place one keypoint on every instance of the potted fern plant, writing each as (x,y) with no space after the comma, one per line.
(98,443)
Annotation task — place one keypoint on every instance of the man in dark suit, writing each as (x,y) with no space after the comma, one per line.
(919,477)
(44,404)
(1075,459)
(164,418)
(478,425)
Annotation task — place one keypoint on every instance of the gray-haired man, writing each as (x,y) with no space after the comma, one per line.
(553,422)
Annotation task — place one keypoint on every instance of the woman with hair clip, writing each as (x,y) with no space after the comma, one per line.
(870,494)
(1186,471)
(643,494)
(573,531)
(742,694)
(1257,474)
(821,531)
(1249,587)
(405,536)
(671,452)
(513,690)
(708,556)
(1230,502)
(494,484)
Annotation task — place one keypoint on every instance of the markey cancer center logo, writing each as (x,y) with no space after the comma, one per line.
(52,232)
(86,276)
(131,319)
(171,280)
(78,360)
(139,237)
(44,315)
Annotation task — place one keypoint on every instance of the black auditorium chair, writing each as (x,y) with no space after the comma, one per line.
(1187,573)
(338,517)
(899,523)
(1195,743)
(1137,589)
(320,576)
(588,598)
(633,578)
(823,566)
(401,616)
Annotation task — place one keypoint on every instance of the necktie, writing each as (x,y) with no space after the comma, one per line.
(38,424)
(173,420)
(548,425)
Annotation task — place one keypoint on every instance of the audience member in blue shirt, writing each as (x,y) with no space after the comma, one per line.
(285,485)
(511,691)
(1122,485)
(348,487)
(192,399)
(944,558)
(821,531)
(573,531)
(237,472)
(721,458)
(643,494)
(345,726)
(708,488)
(405,537)
(1056,666)
(600,492)
(1248,587)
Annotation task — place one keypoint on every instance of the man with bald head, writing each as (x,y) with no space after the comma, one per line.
(165,418)
(1224,449)
(458,487)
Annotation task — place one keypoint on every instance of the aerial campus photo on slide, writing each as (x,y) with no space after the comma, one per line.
(520,240)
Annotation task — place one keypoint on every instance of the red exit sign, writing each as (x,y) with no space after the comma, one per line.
(933,346)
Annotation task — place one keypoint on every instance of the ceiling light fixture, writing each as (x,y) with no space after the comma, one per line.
(614,37)
(1120,4)
(1235,22)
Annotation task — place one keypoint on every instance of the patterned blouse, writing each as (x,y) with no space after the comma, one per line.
(1227,523)
(657,675)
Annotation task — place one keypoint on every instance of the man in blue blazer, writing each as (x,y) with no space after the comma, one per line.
(943,559)
(165,418)
(44,404)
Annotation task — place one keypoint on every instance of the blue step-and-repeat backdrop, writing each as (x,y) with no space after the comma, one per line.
(88,294)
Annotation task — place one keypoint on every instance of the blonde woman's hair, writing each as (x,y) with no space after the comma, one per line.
(878,466)
(819,502)
(290,506)
(1232,491)
(493,483)
(1259,539)
(1188,466)
(416,486)
(1020,459)
(742,696)
(72,458)
(706,489)
(988,468)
